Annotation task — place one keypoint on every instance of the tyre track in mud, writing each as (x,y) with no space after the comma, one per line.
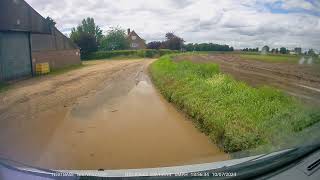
(26,109)
(104,116)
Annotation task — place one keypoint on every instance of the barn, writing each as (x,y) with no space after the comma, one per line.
(27,38)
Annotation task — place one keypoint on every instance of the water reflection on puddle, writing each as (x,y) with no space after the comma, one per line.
(137,129)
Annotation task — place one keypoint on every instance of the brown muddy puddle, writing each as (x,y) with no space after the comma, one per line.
(128,125)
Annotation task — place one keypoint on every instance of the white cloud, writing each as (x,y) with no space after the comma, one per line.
(238,23)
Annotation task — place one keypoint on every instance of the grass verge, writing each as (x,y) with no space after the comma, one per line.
(234,115)
(3,87)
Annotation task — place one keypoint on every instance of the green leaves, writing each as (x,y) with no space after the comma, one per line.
(115,40)
(87,36)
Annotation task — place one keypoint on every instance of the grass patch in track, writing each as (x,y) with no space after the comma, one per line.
(3,87)
(66,69)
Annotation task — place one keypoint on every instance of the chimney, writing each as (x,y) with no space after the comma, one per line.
(128,31)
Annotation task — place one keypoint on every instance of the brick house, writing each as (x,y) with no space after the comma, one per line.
(27,38)
(135,41)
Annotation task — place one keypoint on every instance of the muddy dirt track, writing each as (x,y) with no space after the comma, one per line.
(302,81)
(106,115)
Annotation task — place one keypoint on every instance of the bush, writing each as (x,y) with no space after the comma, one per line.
(166,51)
(141,53)
(150,53)
(234,115)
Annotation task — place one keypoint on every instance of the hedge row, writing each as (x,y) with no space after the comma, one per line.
(149,53)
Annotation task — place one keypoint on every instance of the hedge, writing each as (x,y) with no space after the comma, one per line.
(149,53)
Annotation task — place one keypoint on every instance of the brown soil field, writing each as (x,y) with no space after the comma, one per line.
(301,81)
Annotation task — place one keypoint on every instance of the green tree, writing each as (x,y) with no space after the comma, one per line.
(87,36)
(89,26)
(116,39)
(50,21)
(311,52)
(87,43)
(154,45)
(265,49)
(189,47)
(173,42)
(283,50)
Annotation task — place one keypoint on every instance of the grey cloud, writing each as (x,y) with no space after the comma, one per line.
(181,3)
(238,23)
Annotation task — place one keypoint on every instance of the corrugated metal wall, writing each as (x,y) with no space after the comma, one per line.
(56,49)
(14,55)
(48,42)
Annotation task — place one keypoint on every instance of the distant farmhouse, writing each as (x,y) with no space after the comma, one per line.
(26,38)
(135,41)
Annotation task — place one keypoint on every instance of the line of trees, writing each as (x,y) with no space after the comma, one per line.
(172,42)
(90,38)
(251,49)
(207,47)
(282,50)
(266,49)
(177,44)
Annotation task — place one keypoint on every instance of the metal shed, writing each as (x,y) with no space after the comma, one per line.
(26,38)
(15,58)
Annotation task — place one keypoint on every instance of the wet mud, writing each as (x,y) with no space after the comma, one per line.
(121,123)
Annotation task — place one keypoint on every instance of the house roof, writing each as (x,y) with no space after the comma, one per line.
(133,33)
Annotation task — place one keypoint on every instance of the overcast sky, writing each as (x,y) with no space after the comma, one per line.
(239,23)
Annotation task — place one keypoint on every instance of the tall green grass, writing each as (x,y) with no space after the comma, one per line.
(234,115)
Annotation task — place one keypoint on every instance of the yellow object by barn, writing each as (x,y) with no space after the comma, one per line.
(42,68)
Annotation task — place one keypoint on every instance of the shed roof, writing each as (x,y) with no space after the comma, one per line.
(133,33)
(18,15)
